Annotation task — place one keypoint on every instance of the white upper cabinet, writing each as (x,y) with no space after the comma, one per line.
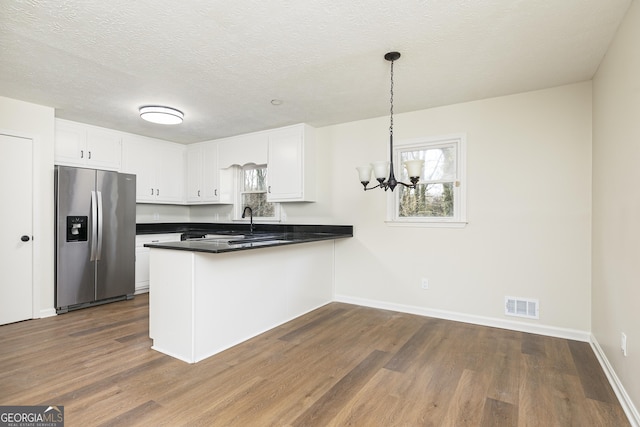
(194,174)
(200,173)
(243,150)
(289,154)
(210,172)
(159,167)
(291,164)
(203,173)
(78,144)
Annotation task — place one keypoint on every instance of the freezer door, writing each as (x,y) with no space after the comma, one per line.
(75,273)
(116,234)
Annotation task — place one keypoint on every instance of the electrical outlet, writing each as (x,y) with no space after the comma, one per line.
(623,343)
(425,283)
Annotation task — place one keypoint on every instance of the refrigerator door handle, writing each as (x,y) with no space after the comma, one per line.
(99,245)
(94,225)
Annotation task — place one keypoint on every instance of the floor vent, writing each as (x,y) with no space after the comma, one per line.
(521,307)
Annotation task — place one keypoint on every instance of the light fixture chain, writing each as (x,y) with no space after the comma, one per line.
(391,102)
(410,166)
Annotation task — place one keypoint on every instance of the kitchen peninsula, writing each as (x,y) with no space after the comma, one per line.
(224,284)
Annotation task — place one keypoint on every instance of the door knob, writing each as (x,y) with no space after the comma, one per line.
(24,238)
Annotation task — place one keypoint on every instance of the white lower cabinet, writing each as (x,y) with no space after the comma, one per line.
(142,257)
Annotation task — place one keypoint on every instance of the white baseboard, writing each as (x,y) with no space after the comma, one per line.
(48,312)
(625,401)
(552,331)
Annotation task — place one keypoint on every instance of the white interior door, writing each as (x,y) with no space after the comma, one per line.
(16,248)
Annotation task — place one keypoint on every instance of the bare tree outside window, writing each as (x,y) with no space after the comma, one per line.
(435,194)
(427,200)
(254,191)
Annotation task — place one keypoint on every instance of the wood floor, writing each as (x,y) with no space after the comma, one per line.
(340,365)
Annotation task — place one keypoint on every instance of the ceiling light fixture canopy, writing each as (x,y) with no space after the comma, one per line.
(161,115)
(381,168)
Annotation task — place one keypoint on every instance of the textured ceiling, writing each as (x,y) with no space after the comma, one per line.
(222,62)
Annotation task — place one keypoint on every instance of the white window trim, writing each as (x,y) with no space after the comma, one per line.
(460,217)
(237,200)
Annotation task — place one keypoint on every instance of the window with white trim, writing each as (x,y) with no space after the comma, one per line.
(253,193)
(439,197)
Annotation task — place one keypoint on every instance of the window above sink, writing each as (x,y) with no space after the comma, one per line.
(252,192)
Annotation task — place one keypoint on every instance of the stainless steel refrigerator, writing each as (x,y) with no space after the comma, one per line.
(95,237)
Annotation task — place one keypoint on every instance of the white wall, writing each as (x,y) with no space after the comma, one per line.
(37,122)
(150,213)
(616,202)
(529,203)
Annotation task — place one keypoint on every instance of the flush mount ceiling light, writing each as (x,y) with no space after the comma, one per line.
(161,115)
(380,168)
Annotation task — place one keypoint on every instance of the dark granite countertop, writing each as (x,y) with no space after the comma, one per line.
(237,237)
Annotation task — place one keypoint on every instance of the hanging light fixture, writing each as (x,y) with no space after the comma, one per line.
(381,168)
(161,115)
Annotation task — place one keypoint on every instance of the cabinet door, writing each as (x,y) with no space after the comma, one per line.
(195,161)
(159,167)
(285,165)
(104,149)
(70,144)
(210,172)
(142,257)
(243,149)
(170,173)
(78,144)
(142,269)
(138,159)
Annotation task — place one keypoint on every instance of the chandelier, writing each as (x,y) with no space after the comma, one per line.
(381,168)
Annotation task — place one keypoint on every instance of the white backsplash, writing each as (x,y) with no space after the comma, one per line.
(210,213)
(148,213)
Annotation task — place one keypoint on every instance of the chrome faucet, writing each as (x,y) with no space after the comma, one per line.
(250,216)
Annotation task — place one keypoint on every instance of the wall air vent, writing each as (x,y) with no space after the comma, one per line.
(521,307)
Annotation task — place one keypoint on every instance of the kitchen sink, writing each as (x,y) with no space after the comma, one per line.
(218,238)
(204,236)
(240,239)
(256,242)
(275,238)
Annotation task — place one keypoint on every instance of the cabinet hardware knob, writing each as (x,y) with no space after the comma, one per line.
(82,154)
(24,238)
(89,155)
(215,191)
(198,193)
(152,191)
